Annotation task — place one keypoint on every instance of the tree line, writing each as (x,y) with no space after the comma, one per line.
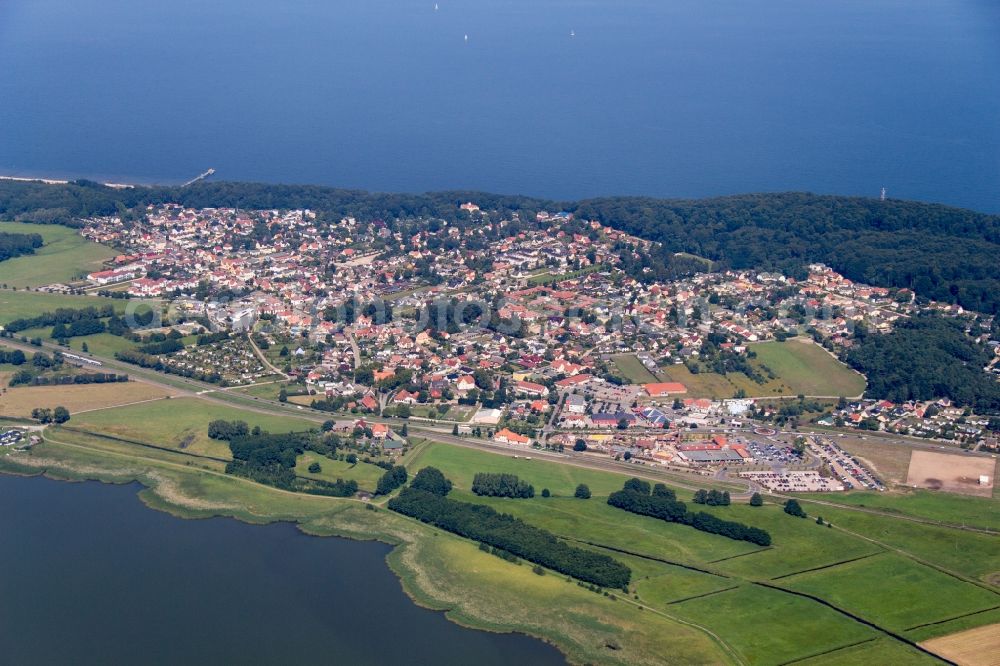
(636,497)
(26,377)
(505,532)
(64,316)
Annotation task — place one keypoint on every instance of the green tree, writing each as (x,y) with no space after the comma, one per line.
(545,492)
(282,395)
(430,479)
(582,491)
(756,500)
(793,508)
(60,414)
(315,468)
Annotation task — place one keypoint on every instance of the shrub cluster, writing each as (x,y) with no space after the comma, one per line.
(501,485)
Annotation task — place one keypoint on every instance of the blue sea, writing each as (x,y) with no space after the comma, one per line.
(558,98)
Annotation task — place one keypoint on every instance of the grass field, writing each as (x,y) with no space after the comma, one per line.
(102,344)
(809,369)
(461,464)
(970,554)
(632,369)
(595,522)
(20,400)
(771,627)
(701,385)
(366,475)
(269,391)
(920,594)
(19,304)
(878,651)
(801,368)
(955,509)
(180,421)
(65,256)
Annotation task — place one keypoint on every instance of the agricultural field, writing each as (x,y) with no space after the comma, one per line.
(975,647)
(65,256)
(804,556)
(77,398)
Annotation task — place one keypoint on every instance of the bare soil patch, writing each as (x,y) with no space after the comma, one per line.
(19,401)
(951,473)
(975,647)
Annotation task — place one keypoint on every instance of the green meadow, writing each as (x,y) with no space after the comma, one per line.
(66,256)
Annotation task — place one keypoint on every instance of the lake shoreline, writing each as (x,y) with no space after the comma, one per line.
(416,581)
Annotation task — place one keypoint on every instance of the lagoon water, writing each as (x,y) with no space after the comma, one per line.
(559,98)
(89,575)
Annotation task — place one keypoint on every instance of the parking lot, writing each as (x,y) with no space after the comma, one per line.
(844,466)
(772,453)
(794,482)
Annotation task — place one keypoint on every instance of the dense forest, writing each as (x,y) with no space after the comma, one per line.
(942,253)
(505,532)
(14,245)
(927,357)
